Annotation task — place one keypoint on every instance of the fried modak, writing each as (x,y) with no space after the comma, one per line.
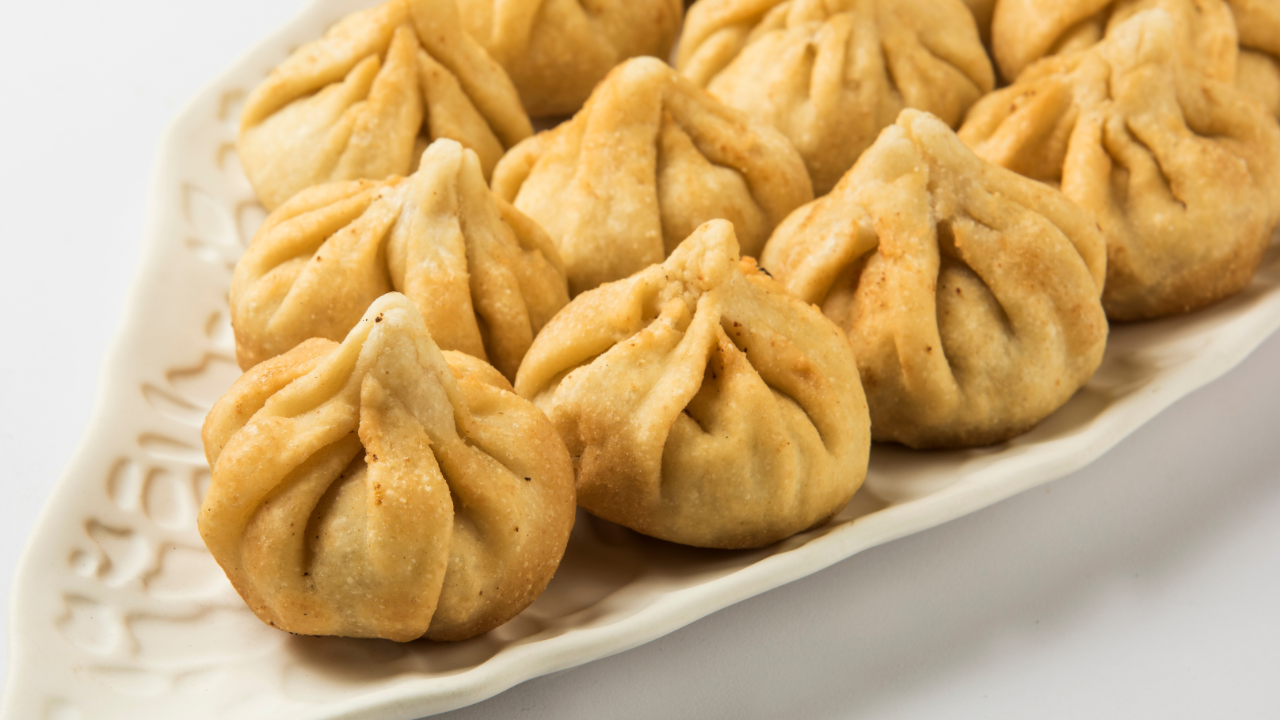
(378,487)
(485,277)
(365,99)
(645,162)
(701,403)
(830,74)
(971,294)
(556,51)
(1180,171)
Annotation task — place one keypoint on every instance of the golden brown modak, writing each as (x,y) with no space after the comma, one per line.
(378,487)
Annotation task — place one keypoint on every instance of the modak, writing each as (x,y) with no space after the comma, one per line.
(1180,171)
(485,277)
(378,487)
(645,162)
(701,403)
(364,100)
(830,74)
(971,294)
(556,51)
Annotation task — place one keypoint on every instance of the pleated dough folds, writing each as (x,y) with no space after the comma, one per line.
(830,74)
(1024,31)
(363,101)
(971,294)
(556,51)
(645,162)
(1181,171)
(381,488)
(701,403)
(485,277)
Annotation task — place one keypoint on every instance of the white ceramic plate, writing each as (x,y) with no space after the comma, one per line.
(118,611)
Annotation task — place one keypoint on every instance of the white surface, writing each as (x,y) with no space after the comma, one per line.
(1151,573)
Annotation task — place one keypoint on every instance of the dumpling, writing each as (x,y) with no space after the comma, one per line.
(1024,31)
(1179,170)
(645,162)
(485,277)
(1258,70)
(557,50)
(970,294)
(1208,30)
(830,74)
(381,488)
(363,101)
(701,403)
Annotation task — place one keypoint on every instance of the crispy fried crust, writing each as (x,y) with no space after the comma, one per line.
(1181,171)
(647,160)
(1024,31)
(702,404)
(357,102)
(380,488)
(485,277)
(556,51)
(831,75)
(971,294)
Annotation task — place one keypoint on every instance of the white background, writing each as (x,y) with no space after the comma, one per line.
(1146,585)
